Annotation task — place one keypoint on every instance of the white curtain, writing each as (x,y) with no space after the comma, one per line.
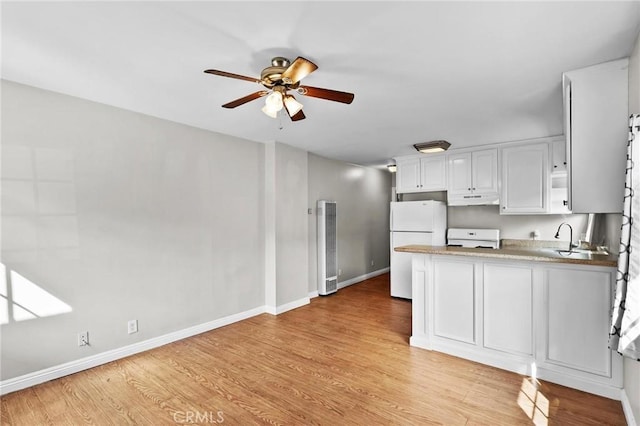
(624,335)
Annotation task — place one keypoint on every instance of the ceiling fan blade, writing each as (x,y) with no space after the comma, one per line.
(299,116)
(328,94)
(232,75)
(246,99)
(299,69)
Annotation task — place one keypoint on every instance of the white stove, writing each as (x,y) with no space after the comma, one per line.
(475,238)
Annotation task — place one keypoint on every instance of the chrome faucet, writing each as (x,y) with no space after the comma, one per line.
(571,245)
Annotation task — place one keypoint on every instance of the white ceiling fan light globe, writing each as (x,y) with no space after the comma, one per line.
(274,101)
(293,106)
(273,104)
(273,113)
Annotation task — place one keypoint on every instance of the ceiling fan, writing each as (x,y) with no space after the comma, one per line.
(280,78)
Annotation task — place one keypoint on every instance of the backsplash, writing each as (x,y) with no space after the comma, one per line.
(518,227)
(606,230)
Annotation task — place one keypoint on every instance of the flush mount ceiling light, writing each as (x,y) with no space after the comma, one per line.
(392,168)
(431,147)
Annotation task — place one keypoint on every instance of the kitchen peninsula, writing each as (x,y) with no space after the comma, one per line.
(517,308)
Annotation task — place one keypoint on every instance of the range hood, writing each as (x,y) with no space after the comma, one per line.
(473,199)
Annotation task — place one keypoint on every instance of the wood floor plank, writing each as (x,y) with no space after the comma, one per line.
(343,359)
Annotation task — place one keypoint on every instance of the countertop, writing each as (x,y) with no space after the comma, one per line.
(517,252)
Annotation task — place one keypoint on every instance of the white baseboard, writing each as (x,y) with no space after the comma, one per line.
(626,407)
(361,278)
(57,371)
(287,306)
(354,280)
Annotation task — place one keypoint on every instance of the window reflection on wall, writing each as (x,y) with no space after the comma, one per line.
(39,216)
(39,223)
(26,300)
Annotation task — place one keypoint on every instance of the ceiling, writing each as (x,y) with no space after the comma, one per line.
(472,73)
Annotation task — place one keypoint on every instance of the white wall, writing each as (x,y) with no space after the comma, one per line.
(292,262)
(632,367)
(119,215)
(363,195)
(110,215)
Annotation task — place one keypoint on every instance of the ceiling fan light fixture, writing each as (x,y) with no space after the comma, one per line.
(432,147)
(273,104)
(293,106)
(274,101)
(281,77)
(273,113)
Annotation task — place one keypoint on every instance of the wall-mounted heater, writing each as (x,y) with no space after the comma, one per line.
(327,248)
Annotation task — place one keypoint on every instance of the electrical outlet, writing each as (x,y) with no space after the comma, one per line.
(372,263)
(83,339)
(339,272)
(132,326)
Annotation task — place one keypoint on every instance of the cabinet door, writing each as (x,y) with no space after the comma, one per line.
(558,156)
(525,183)
(408,175)
(577,306)
(459,173)
(484,171)
(597,116)
(508,309)
(454,300)
(433,173)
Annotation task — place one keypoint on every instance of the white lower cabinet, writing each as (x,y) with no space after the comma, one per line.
(508,308)
(576,320)
(534,318)
(454,300)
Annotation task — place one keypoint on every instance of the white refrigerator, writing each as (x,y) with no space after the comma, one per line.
(413,222)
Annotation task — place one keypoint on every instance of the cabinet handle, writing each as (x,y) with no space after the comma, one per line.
(474,189)
(468,189)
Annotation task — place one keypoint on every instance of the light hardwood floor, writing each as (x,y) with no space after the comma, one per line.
(343,360)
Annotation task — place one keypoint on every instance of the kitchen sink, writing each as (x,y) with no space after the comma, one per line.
(576,253)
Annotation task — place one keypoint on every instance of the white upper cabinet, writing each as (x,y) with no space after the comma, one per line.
(421,174)
(473,177)
(434,173)
(558,156)
(525,179)
(559,192)
(484,167)
(596,127)
(460,173)
(408,175)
